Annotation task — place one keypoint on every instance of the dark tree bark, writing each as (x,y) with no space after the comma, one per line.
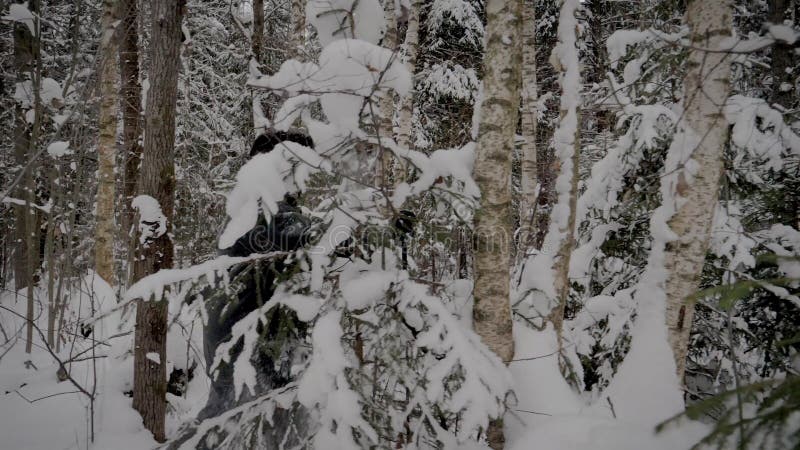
(26,60)
(782,58)
(258,30)
(130,98)
(784,95)
(598,117)
(547,169)
(25,255)
(157,179)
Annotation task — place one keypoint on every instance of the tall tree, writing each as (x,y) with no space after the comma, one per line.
(156,189)
(406,110)
(258,30)
(106,146)
(131,104)
(26,54)
(546,81)
(783,91)
(566,141)
(782,58)
(706,88)
(385,128)
(27,61)
(528,121)
(297,32)
(499,113)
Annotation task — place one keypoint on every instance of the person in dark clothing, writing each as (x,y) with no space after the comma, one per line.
(252,284)
(265,143)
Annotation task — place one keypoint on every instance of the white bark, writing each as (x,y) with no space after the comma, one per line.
(106,147)
(406,111)
(706,88)
(499,113)
(528,165)
(385,128)
(566,139)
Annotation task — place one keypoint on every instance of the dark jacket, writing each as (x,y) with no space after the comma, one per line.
(251,285)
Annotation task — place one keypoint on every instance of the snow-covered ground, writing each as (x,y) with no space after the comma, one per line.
(39,412)
(548,414)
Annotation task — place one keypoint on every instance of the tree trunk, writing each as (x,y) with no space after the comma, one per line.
(407,103)
(495,144)
(157,180)
(706,88)
(25,55)
(297,32)
(566,141)
(528,120)
(598,116)
(131,98)
(257,48)
(385,128)
(50,258)
(106,146)
(545,158)
(782,59)
(27,60)
(258,30)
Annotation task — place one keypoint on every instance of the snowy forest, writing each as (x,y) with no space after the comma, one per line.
(400,224)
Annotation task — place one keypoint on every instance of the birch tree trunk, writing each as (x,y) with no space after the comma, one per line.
(131,104)
(106,147)
(385,128)
(706,88)
(406,111)
(157,180)
(528,165)
(566,140)
(495,143)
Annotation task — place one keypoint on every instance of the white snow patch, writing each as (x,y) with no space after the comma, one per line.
(153,356)
(16,201)
(784,33)
(58,149)
(583,432)
(152,222)
(334,20)
(49,93)
(539,387)
(17,12)
(263,182)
